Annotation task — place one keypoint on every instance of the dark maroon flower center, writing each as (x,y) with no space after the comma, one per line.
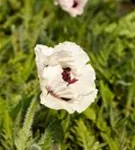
(75,4)
(66,75)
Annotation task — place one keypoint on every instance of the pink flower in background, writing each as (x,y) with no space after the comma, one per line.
(66,80)
(73,7)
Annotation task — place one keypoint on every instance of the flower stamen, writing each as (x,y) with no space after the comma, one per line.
(66,75)
(75,4)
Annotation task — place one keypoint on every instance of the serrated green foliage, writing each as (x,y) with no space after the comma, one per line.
(106,94)
(6,134)
(24,133)
(53,135)
(90,113)
(109,39)
(85,136)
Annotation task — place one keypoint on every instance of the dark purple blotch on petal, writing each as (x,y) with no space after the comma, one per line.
(75,4)
(66,75)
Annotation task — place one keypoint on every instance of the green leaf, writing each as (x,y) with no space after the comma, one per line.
(85,136)
(107,94)
(90,114)
(7,131)
(35,147)
(113,145)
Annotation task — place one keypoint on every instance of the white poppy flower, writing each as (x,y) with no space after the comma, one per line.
(66,80)
(73,7)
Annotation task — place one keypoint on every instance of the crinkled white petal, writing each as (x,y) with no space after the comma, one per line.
(64,58)
(44,50)
(52,73)
(75,52)
(67,5)
(85,88)
(84,101)
(82,3)
(52,79)
(55,103)
(74,12)
(87,76)
(42,57)
(85,82)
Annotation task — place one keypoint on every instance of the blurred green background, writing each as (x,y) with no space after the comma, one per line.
(106,31)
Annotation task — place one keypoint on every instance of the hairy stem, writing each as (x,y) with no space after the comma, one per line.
(25,131)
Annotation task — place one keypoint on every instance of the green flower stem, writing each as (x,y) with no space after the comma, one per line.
(29,116)
(25,132)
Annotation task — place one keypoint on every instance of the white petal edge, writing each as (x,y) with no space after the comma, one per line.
(55,103)
(73,11)
(85,101)
(44,50)
(42,57)
(80,57)
(84,88)
(86,81)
